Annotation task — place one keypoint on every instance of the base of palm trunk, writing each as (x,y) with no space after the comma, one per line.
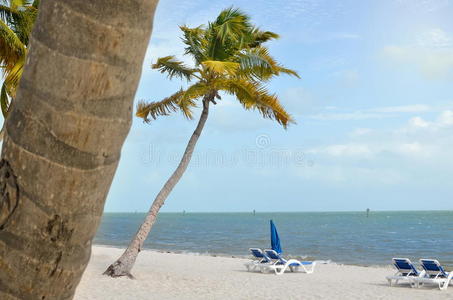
(118,269)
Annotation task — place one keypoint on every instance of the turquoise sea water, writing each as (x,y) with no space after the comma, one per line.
(344,237)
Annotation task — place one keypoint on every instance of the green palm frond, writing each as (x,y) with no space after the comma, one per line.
(258,63)
(13,76)
(258,37)
(225,35)
(231,23)
(17,4)
(253,96)
(183,100)
(7,14)
(24,21)
(221,67)
(16,21)
(4,101)
(282,69)
(11,47)
(159,108)
(195,41)
(187,102)
(173,68)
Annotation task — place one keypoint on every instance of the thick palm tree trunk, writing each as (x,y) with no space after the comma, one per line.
(124,264)
(63,140)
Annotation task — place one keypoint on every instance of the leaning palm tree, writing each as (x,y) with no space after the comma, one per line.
(229,57)
(16,22)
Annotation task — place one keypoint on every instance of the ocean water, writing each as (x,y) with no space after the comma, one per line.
(343,237)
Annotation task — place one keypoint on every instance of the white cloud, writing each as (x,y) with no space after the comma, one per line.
(434,38)
(424,5)
(418,122)
(343,150)
(410,153)
(432,55)
(417,138)
(357,115)
(446,118)
(409,148)
(371,113)
(351,175)
(402,109)
(360,132)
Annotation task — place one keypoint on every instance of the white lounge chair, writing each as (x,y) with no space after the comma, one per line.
(279,264)
(406,272)
(259,258)
(435,274)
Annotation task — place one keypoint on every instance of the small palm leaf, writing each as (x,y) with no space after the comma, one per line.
(281,69)
(187,101)
(4,101)
(13,77)
(181,100)
(173,68)
(258,37)
(159,108)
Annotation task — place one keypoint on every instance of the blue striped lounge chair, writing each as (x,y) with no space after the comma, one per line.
(279,264)
(259,258)
(435,274)
(406,272)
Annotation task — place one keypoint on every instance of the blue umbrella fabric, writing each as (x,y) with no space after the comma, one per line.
(275,240)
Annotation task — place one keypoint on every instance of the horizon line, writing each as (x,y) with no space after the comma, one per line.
(267,212)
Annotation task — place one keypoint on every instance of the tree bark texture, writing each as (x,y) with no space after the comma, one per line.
(63,140)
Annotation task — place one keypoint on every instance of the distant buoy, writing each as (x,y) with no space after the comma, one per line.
(367,212)
(254,212)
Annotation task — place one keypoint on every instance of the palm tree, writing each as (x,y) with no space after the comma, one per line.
(16,22)
(229,57)
(63,140)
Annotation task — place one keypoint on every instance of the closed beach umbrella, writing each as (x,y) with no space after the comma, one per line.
(275,240)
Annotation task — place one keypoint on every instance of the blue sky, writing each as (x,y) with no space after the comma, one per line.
(374,112)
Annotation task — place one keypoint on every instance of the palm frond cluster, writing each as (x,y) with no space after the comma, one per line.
(16,22)
(229,56)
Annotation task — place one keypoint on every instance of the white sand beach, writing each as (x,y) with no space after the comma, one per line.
(185,276)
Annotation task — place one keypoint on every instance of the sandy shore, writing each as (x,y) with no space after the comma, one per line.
(185,276)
